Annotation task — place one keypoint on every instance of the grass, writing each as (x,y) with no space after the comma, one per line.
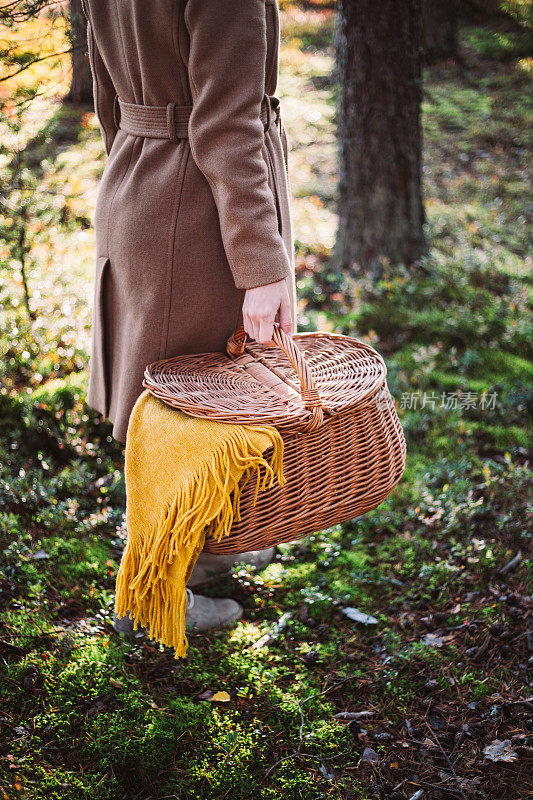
(443,672)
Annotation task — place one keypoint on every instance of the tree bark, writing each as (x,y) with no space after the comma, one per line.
(81,86)
(381,213)
(440,20)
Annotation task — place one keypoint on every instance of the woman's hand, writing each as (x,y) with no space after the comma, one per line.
(264,305)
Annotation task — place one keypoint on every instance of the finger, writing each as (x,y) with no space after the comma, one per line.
(256,326)
(248,324)
(266,330)
(285,315)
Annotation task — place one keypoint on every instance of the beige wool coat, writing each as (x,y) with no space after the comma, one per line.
(193,205)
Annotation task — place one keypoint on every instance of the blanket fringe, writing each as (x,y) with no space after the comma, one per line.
(211,499)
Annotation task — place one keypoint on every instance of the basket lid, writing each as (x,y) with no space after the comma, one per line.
(299,384)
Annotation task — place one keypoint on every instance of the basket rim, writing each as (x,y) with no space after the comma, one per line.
(284,421)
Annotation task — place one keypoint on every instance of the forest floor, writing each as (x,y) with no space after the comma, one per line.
(429,700)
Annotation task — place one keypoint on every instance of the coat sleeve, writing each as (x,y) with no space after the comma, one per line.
(227,77)
(104,91)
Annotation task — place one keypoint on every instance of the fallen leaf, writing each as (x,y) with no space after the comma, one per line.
(500,751)
(370,755)
(116,684)
(273,634)
(328,774)
(353,714)
(432,640)
(470,785)
(37,556)
(359,616)
(220,697)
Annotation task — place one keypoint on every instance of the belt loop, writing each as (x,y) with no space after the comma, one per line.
(116,111)
(171,124)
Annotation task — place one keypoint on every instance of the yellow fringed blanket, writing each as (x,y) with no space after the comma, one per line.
(183,475)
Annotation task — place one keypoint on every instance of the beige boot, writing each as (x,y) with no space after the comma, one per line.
(124,625)
(202,614)
(209,564)
(207,613)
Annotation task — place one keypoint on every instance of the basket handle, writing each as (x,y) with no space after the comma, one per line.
(308,391)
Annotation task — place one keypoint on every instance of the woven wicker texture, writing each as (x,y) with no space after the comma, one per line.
(327,395)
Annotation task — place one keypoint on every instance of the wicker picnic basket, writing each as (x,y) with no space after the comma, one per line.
(344,448)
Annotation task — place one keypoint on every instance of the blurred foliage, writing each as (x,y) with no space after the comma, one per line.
(502,45)
(33,44)
(520,10)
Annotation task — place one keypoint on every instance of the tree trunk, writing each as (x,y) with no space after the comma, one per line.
(81,86)
(440,20)
(380,201)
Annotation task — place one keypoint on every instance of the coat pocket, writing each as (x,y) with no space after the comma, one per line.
(98,392)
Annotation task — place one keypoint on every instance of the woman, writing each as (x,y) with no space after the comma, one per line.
(192,221)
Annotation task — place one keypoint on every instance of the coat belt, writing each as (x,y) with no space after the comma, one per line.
(172,121)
